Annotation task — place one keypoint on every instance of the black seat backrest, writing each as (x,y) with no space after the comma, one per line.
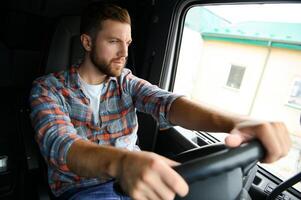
(65,47)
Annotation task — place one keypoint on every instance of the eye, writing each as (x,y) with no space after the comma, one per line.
(113,41)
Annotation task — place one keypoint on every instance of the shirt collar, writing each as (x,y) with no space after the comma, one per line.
(72,79)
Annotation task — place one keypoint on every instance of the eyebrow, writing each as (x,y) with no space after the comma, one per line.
(116,38)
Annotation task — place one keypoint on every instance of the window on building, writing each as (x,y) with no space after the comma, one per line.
(295,95)
(235,77)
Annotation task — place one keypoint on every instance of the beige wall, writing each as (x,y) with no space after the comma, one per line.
(216,62)
(283,67)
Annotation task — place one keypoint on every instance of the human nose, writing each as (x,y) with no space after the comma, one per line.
(123,51)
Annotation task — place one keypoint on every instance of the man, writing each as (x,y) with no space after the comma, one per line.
(86,122)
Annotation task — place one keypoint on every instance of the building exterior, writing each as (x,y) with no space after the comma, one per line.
(252,68)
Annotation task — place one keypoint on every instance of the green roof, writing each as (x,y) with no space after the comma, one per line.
(284,35)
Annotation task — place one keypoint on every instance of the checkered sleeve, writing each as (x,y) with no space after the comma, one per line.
(54,130)
(150,99)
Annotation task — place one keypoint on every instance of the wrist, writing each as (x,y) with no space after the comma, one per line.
(115,167)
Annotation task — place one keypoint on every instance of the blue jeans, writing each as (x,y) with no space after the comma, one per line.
(105,191)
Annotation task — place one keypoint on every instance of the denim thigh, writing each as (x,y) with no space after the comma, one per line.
(103,191)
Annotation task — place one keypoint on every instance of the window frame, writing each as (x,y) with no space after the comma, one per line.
(171,59)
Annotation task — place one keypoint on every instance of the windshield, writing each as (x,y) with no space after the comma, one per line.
(246,59)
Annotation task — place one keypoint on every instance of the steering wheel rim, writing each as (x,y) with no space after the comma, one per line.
(223,160)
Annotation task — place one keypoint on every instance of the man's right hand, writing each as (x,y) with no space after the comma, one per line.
(142,175)
(146,175)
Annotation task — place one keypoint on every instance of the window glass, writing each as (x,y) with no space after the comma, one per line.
(235,76)
(246,59)
(295,96)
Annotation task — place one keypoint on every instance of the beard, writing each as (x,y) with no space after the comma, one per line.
(103,66)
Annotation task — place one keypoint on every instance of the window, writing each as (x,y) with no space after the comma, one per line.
(267,80)
(235,76)
(295,95)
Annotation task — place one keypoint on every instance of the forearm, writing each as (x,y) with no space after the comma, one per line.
(150,174)
(91,160)
(193,115)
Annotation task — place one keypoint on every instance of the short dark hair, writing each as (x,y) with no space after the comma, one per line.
(95,13)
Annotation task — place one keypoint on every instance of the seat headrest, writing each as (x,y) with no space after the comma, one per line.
(65,48)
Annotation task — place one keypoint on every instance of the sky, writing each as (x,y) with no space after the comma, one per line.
(264,12)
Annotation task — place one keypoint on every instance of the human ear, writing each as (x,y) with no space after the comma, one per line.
(86,41)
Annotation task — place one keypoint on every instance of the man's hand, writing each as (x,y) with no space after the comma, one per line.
(142,175)
(273,135)
(145,175)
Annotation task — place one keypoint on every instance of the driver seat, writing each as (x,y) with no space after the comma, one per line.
(65,46)
(65,50)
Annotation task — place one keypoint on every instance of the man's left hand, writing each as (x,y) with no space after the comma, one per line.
(273,135)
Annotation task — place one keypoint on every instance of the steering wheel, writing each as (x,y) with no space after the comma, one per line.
(217,172)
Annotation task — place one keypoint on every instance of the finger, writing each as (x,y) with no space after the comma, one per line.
(170,162)
(269,138)
(233,140)
(174,181)
(283,137)
(150,192)
(159,187)
(237,137)
(286,139)
(142,191)
(278,130)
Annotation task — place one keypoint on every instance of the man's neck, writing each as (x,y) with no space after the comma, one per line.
(90,74)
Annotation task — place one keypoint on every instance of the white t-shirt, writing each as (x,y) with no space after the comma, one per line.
(93,92)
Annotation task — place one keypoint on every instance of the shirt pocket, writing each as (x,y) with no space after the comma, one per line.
(115,127)
(79,113)
(123,118)
(117,104)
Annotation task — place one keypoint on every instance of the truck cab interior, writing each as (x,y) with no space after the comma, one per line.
(231,54)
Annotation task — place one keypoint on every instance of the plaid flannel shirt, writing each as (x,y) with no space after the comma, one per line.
(60,114)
